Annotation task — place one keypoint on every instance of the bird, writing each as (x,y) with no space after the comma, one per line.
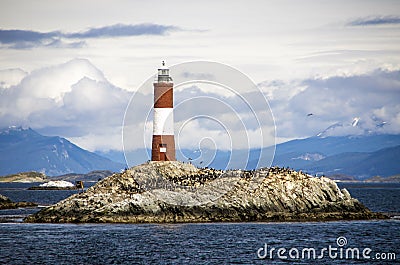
(309,114)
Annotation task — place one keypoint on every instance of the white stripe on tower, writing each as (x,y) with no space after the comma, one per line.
(163,121)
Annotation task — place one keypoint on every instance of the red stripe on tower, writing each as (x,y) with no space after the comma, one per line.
(163,145)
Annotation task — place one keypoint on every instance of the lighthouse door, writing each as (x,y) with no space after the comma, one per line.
(162,156)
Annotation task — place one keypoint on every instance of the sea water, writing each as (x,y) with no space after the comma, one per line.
(375,242)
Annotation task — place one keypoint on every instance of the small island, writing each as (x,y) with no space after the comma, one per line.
(175,192)
(55,185)
(24,177)
(6,203)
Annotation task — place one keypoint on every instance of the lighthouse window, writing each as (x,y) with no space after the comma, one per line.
(163,148)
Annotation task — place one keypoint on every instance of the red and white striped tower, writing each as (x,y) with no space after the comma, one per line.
(163,145)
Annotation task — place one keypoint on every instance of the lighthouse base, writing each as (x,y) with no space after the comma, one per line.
(163,148)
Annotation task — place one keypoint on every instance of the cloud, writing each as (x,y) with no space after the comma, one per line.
(73,100)
(57,43)
(25,39)
(53,82)
(11,77)
(199,76)
(121,30)
(13,36)
(76,101)
(375,20)
(373,97)
(201,112)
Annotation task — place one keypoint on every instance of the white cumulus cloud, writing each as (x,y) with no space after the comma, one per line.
(73,100)
(307,107)
(11,77)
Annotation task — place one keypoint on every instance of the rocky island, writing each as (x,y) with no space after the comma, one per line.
(170,192)
(55,185)
(6,203)
(24,177)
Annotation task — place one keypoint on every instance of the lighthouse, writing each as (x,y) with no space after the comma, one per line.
(163,144)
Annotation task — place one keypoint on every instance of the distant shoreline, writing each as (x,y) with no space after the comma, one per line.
(52,188)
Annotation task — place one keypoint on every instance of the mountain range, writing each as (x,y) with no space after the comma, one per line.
(26,150)
(361,156)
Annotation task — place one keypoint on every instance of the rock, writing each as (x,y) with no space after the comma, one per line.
(4,199)
(158,192)
(6,203)
(55,185)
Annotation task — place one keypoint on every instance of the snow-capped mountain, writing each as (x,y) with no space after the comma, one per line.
(358,126)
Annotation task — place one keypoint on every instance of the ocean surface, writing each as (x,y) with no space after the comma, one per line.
(343,242)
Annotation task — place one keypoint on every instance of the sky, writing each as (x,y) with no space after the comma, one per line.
(70,68)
